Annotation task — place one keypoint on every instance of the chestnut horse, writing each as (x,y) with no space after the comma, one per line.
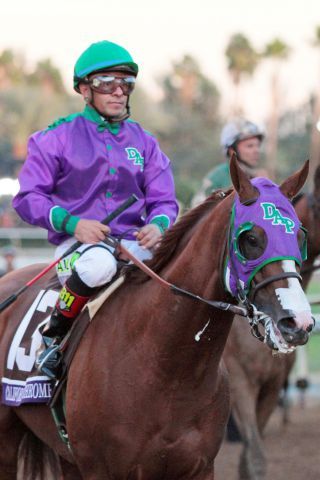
(147,397)
(256,377)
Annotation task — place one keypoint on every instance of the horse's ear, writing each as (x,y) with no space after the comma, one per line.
(316,186)
(241,182)
(293,184)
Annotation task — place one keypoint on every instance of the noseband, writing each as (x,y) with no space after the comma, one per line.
(273,278)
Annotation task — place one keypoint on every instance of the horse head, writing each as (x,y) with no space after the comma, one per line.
(266,247)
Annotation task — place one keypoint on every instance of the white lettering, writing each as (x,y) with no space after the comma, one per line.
(25,362)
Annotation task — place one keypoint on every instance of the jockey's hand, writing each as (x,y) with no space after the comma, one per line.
(148,236)
(90,231)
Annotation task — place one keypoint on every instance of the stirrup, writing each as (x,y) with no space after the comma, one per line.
(49,360)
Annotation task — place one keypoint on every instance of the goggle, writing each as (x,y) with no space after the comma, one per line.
(109,84)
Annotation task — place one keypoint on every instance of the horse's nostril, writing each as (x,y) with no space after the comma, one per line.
(310,327)
(287,323)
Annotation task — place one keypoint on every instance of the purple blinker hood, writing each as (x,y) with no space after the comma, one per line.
(273,212)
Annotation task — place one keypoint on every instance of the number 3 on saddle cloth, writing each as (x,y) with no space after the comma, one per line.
(22,382)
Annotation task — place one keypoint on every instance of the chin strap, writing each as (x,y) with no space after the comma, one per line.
(112,119)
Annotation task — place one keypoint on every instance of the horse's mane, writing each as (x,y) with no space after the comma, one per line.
(171,238)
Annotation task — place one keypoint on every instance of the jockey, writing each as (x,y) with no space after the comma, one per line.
(81,168)
(245,139)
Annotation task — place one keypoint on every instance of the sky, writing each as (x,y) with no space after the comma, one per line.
(159,33)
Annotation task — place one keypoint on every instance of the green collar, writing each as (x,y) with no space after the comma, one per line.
(91,114)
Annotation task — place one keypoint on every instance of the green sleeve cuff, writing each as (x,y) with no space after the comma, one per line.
(60,222)
(162,221)
(71,225)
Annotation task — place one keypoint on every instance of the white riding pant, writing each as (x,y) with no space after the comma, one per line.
(95,264)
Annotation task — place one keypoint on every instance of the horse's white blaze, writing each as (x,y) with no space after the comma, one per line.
(293,298)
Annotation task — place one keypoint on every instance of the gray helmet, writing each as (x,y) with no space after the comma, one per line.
(238,130)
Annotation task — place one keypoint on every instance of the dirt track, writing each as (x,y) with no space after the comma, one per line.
(293,452)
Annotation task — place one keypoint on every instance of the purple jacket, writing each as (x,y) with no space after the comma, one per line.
(89,167)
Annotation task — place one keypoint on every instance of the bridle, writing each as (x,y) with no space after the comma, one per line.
(273,278)
(254,316)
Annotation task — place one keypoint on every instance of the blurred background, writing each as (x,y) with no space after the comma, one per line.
(200,64)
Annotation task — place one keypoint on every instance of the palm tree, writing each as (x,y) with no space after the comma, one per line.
(242,61)
(48,77)
(277,51)
(11,68)
(315,134)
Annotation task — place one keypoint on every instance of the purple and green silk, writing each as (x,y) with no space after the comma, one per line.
(274,213)
(86,166)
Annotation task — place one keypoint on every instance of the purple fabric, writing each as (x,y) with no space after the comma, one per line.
(33,390)
(281,227)
(88,171)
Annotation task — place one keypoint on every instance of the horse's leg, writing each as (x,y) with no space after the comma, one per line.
(267,402)
(252,464)
(11,433)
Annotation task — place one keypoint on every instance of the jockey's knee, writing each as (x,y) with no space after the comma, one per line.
(96,266)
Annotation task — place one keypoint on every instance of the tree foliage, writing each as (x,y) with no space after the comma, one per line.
(316,40)
(29,101)
(48,77)
(241,56)
(190,106)
(276,49)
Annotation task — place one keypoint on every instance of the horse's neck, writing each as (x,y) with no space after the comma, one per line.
(197,269)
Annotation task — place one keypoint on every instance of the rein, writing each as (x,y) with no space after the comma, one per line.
(248,310)
(114,243)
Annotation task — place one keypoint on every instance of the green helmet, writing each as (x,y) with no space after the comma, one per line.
(99,56)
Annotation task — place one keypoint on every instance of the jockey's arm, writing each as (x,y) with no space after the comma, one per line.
(160,199)
(37,180)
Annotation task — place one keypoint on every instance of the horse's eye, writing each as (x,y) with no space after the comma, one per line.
(252,240)
(251,244)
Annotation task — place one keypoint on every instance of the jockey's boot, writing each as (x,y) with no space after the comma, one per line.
(73,296)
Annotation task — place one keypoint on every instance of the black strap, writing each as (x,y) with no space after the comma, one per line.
(65,221)
(274,278)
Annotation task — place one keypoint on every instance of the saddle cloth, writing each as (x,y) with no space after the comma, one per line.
(22,383)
